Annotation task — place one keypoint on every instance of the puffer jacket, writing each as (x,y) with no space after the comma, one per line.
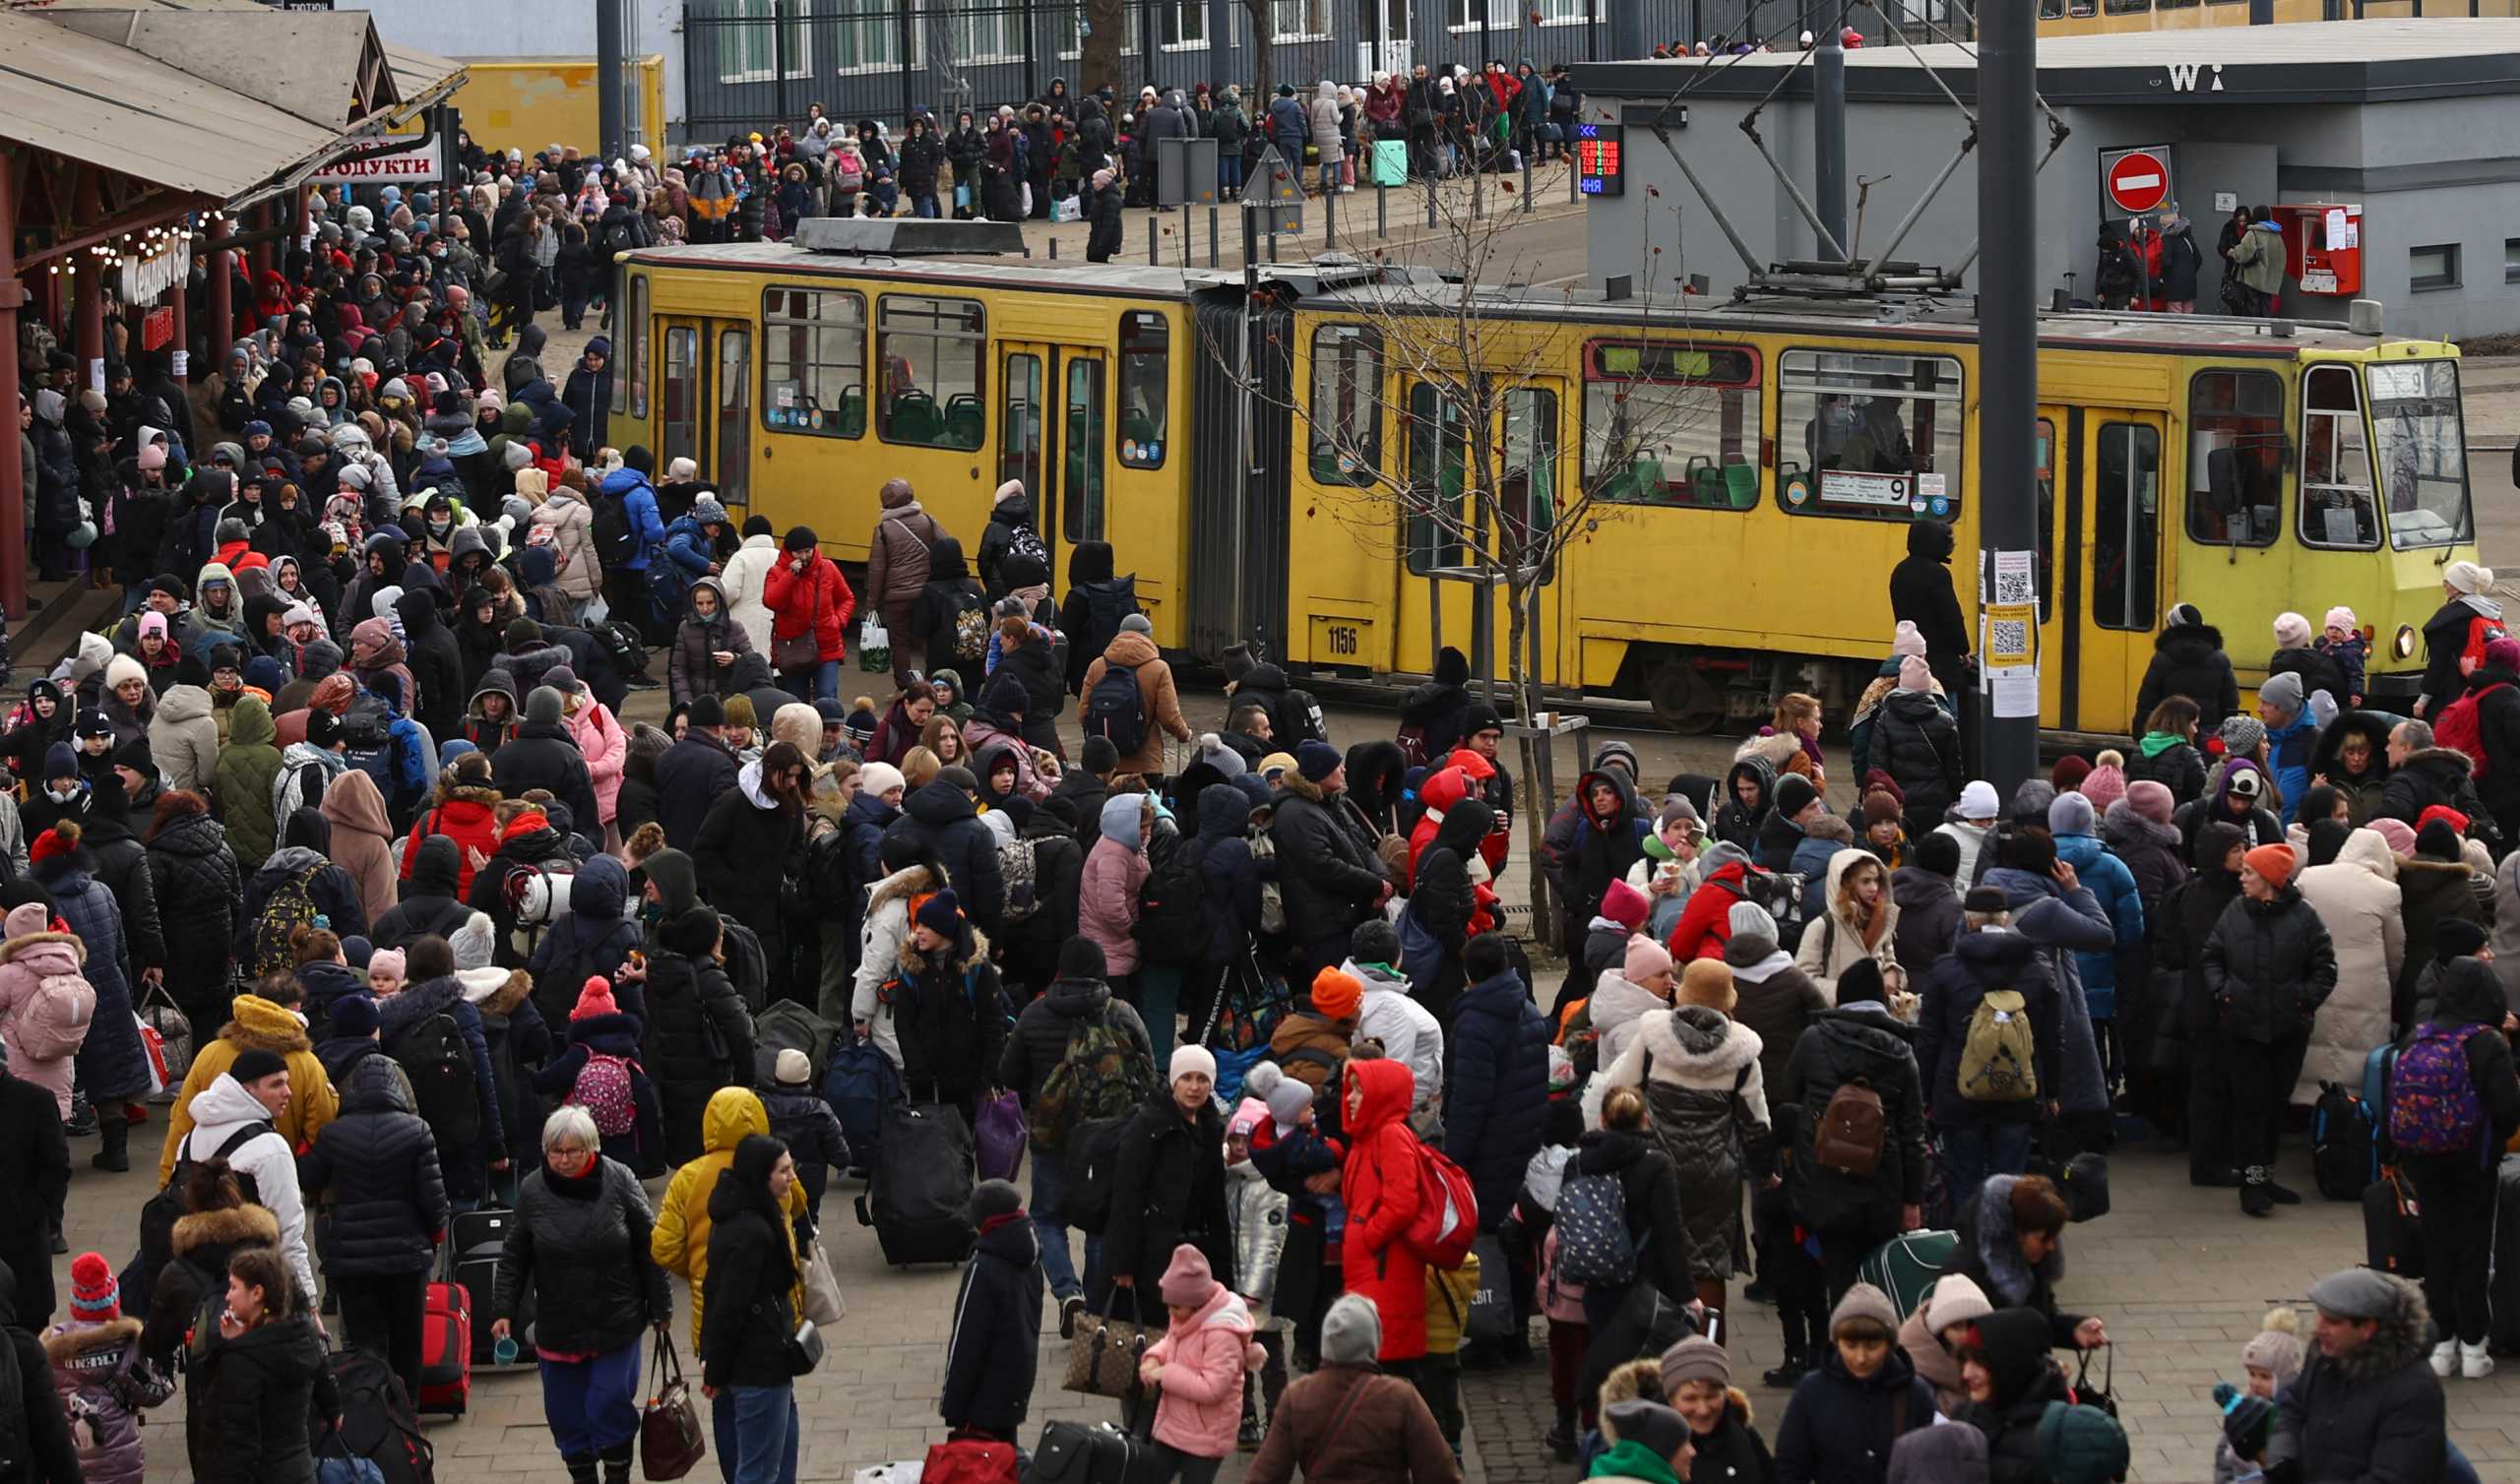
(605,747)
(1040,1038)
(752,1258)
(194,878)
(1497,1091)
(697,1037)
(997,1314)
(569,525)
(743,580)
(1833,941)
(1327,874)
(940,819)
(1201,1359)
(2433,893)
(595,1283)
(466,815)
(2170,761)
(2269,965)
(243,782)
(2357,899)
(679,1242)
(1862,1040)
(1989,1253)
(1738,822)
(1381,1184)
(380,1163)
(1651,1190)
(1157,698)
(1701,1076)
(2063,924)
(2431,776)
(1980,964)
(2112,884)
(690,669)
(462,1163)
(1915,739)
(2189,661)
(1617,1011)
(112,1064)
(1168,1188)
(251,1401)
(184,739)
(98,1368)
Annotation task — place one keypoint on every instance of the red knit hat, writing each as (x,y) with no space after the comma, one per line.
(93,1293)
(596,999)
(59,841)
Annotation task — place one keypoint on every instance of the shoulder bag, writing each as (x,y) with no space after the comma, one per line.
(802,652)
(672,1443)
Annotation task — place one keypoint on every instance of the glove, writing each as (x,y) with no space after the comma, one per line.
(2245,1423)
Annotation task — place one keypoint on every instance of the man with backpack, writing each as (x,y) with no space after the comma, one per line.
(2453,1104)
(1128,699)
(1857,1171)
(627,533)
(435,1033)
(1986,1046)
(264,1020)
(1077,1055)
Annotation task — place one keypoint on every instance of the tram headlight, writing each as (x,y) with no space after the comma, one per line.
(2405,641)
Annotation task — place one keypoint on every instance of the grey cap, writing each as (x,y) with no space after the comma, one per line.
(1136,623)
(1352,1332)
(2356,1293)
(2282,689)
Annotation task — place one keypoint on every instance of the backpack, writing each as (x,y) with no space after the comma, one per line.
(1171,927)
(618,237)
(54,1020)
(860,1083)
(1447,1219)
(830,872)
(1299,712)
(160,1211)
(616,540)
(620,640)
(378,1427)
(1851,1129)
(1115,710)
(1106,604)
(367,723)
(2481,631)
(1024,541)
(747,967)
(1093,1161)
(2433,1105)
(1096,1078)
(2344,1153)
(1018,870)
(1593,1244)
(970,631)
(2461,727)
(291,906)
(433,1055)
(1995,1060)
(1412,744)
(605,1090)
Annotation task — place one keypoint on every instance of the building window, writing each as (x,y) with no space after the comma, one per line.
(1465,15)
(2435,266)
(2337,507)
(867,34)
(1146,387)
(1671,424)
(988,33)
(1346,420)
(931,351)
(814,362)
(2237,421)
(1563,11)
(753,35)
(1182,23)
(1299,20)
(1871,437)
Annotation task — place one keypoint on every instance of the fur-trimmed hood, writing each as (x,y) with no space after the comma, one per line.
(974,948)
(260,1023)
(495,991)
(64,1344)
(1701,1040)
(901,886)
(1999,1247)
(1777,749)
(247,1225)
(25,945)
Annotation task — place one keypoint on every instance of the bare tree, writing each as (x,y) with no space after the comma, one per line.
(1106,27)
(1263,30)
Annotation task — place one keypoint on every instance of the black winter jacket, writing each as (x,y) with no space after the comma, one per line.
(2430,776)
(1840,1046)
(1495,1090)
(1441,896)
(1038,1041)
(996,1339)
(742,852)
(747,1312)
(1651,1189)
(1168,1188)
(698,1038)
(2445,639)
(194,881)
(1839,1430)
(1328,876)
(1979,965)
(436,665)
(2179,767)
(251,1401)
(2376,1412)
(378,1160)
(429,904)
(2269,965)
(1920,593)
(940,819)
(1919,742)
(583,1244)
(543,755)
(2189,661)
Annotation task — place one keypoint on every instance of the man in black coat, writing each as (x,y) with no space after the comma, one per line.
(1104,214)
(693,772)
(996,1339)
(940,820)
(1329,874)
(35,1173)
(2189,661)
(1920,593)
(435,662)
(2367,1406)
(2421,776)
(390,1208)
(429,902)
(544,754)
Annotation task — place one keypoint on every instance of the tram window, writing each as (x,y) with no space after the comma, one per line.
(1145,386)
(2422,451)
(2337,506)
(1019,436)
(735,423)
(1527,493)
(2125,542)
(1878,436)
(813,361)
(1671,424)
(625,368)
(2172,4)
(2127,7)
(1438,469)
(1346,421)
(2235,474)
(1082,449)
(931,371)
(681,414)
(2046,536)
(635,374)
(2052,10)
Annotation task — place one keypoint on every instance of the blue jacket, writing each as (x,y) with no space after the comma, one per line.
(112,1064)
(639,502)
(1290,127)
(681,560)
(2070,820)
(1497,1090)
(2287,756)
(2065,926)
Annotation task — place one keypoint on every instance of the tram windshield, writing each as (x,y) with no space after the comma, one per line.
(2422,451)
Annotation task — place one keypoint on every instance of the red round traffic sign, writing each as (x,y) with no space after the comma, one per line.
(2138,181)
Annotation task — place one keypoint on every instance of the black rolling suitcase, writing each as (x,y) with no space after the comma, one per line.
(2503,1339)
(473,1244)
(2392,1237)
(919,1194)
(1071,1452)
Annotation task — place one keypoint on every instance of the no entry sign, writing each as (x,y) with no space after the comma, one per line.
(2135,181)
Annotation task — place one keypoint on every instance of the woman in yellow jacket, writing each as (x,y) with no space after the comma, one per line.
(680,1241)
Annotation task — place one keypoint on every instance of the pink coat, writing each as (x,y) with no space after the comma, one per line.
(1106,901)
(25,962)
(606,747)
(1200,1401)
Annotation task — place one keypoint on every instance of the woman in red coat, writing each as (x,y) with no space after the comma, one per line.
(805,593)
(1380,1186)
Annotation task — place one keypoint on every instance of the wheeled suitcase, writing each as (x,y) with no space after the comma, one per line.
(1071,1452)
(2503,1296)
(1906,1265)
(919,1194)
(2392,1237)
(472,1261)
(1391,161)
(446,1352)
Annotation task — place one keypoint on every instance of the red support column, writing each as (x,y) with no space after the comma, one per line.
(91,330)
(223,299)
(13,495)
(179,345)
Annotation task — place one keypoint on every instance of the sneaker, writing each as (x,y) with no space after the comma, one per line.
(1074,1304)
(2474,1363)
(1246,1437)
(2445,1358)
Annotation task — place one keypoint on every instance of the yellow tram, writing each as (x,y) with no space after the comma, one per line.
(1753,467)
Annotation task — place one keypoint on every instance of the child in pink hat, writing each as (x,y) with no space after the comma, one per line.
(1198,1364)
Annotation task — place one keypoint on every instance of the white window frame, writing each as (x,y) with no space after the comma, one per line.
(1473,22)
(1189,24)
(763,66)
(1068,27)
(1311,17)
(879,22)
(1008,26)
(1565,12)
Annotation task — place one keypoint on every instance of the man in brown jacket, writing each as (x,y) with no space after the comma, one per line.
(897,568)
(1348,1423)
(1134,647)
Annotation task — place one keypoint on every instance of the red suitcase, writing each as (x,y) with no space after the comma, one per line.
(446,1350)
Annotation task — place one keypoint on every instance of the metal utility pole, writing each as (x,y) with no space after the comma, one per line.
(2008,361)
(1627,30)
(1829,133)
(608,62)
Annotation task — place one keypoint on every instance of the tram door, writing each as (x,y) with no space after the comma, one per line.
(2099,562)
(1053,434)
(704,398)
(1446,530)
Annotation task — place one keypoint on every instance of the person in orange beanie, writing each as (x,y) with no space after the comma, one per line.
(2269,965)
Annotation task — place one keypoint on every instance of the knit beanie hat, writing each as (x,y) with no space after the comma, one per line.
(543,705)
(2277,1348)
(59,841)
(255,1063)
(941,914)
(95,1296)
(387,958)
(2398,833)
(1748,919)
(1336,994)
(1794,794)
(1627,906)
(1187,1060)
(1287,1100)
(1081,957)
(792,1068)
(1696,1358)
(2282,691)
(1907,640)
(2468,578)
(2153,800)
(1189,1282)
(2242,734)
(353,1016)
(1865,1302)
(2274,862)
(594,998)
(1707,982)
(1352,1332)
(738,711)
(1980,801)
(1915,674)
(2069,772)
(2457,937)
(2341,617)
(995,1198)
(2292,631)
(1645,958)
(2106,784)
(1955,1300)
(1880,808)
(1316,761)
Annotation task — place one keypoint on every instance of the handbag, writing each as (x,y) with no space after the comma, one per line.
(823,1302)
(1001,1137)
(804,1348)
(1102,1357)
(2087,1394)
(670,1441)
(801,651)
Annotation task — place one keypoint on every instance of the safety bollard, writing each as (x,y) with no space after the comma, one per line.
(1055,249)
(1527,176)
(1150,259)
(1382,209)
(1212,234)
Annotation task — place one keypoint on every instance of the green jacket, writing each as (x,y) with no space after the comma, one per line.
(247,765)
(2258,258)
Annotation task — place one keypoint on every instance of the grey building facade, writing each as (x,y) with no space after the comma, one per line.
(2406,128)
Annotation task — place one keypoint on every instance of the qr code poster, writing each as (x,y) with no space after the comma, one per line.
(2015,582)
(2011,629)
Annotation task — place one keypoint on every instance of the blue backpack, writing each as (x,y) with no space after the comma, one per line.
(860,1084)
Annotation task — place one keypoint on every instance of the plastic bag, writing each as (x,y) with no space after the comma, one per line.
(874,647)
(1001,1135)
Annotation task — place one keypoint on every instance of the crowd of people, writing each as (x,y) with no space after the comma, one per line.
(336,843)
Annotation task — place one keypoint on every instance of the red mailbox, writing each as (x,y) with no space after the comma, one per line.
(2323,246)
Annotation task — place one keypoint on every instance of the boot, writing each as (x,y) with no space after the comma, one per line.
(2445,1358)
(114,1155)
(581,1468)
(61,1244)
(616,1461)
(1784,1377)
(2255,1198)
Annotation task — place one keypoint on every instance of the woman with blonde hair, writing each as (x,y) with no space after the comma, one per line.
(920,767)
(1860,923)
(943,736)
